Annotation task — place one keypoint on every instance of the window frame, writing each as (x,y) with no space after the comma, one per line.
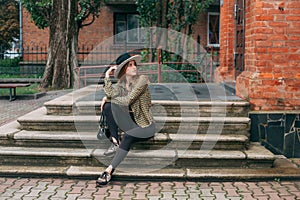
(208,21)
(127,39)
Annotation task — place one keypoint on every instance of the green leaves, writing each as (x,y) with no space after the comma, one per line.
(40,11)
(9,22)
(178,13)
(88,8)
(148,12)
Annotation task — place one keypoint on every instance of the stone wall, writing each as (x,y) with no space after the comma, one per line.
(278,131)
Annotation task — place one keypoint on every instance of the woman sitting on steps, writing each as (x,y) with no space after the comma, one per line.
(126,107)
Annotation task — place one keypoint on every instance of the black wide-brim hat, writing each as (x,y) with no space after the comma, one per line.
(123,59)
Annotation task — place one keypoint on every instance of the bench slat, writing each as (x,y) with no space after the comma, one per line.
(13,85)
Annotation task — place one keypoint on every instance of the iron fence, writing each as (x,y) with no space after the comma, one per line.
(197,70)
(31,60)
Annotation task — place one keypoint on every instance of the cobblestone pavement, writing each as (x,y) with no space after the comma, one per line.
(61,189)
(11,110)
(79,189)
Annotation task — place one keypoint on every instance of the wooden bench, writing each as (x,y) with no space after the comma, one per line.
(12,88)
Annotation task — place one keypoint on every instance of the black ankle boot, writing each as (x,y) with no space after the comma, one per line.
(104,178)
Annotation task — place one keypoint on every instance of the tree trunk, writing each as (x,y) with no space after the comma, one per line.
(63,43)
(163,24)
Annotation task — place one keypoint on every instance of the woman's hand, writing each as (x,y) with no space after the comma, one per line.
(108,72)
(104,100)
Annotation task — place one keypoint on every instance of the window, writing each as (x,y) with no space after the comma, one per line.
(213,35)
(127,29)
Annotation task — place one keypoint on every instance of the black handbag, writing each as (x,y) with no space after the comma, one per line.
(103,131)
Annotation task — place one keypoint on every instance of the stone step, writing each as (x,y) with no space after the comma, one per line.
(38,120)
(65,104)
(69,139)
(282,169)
(195,142)
(87,101)
(255,157)
(39,156)
(174,108)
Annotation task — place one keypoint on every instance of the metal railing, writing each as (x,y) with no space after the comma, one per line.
(159,71)
(94,60)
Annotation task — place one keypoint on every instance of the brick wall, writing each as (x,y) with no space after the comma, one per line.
(88,36)
(34,39)
(99,31)
(200,28)
(271,80)
(32,36)
(226,70)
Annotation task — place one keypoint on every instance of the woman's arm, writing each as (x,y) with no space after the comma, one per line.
(109,90)
(104,100)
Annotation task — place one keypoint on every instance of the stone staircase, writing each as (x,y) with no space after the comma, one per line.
(194,139)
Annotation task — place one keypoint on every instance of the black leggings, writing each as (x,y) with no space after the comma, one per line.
(118,117)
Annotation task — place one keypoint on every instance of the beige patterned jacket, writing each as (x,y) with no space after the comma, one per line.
(138,98)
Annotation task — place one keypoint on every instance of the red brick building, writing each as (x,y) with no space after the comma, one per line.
(260,53)
(270,74)
(118,16)
(259,44)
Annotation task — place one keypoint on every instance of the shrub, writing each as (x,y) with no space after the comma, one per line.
(9,66)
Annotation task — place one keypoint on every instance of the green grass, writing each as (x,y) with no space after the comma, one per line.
(32,89)
(19,76)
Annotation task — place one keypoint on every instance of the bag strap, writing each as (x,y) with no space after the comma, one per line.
(102,120)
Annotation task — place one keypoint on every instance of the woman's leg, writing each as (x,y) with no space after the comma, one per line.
(130,137)
(123,118)
(116,118)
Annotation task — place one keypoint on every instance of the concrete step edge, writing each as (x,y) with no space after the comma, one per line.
(40,152)
(73,135)
(169,103)
(73,96)
(284,172)
(40,115)
(255,152)
(206,174)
